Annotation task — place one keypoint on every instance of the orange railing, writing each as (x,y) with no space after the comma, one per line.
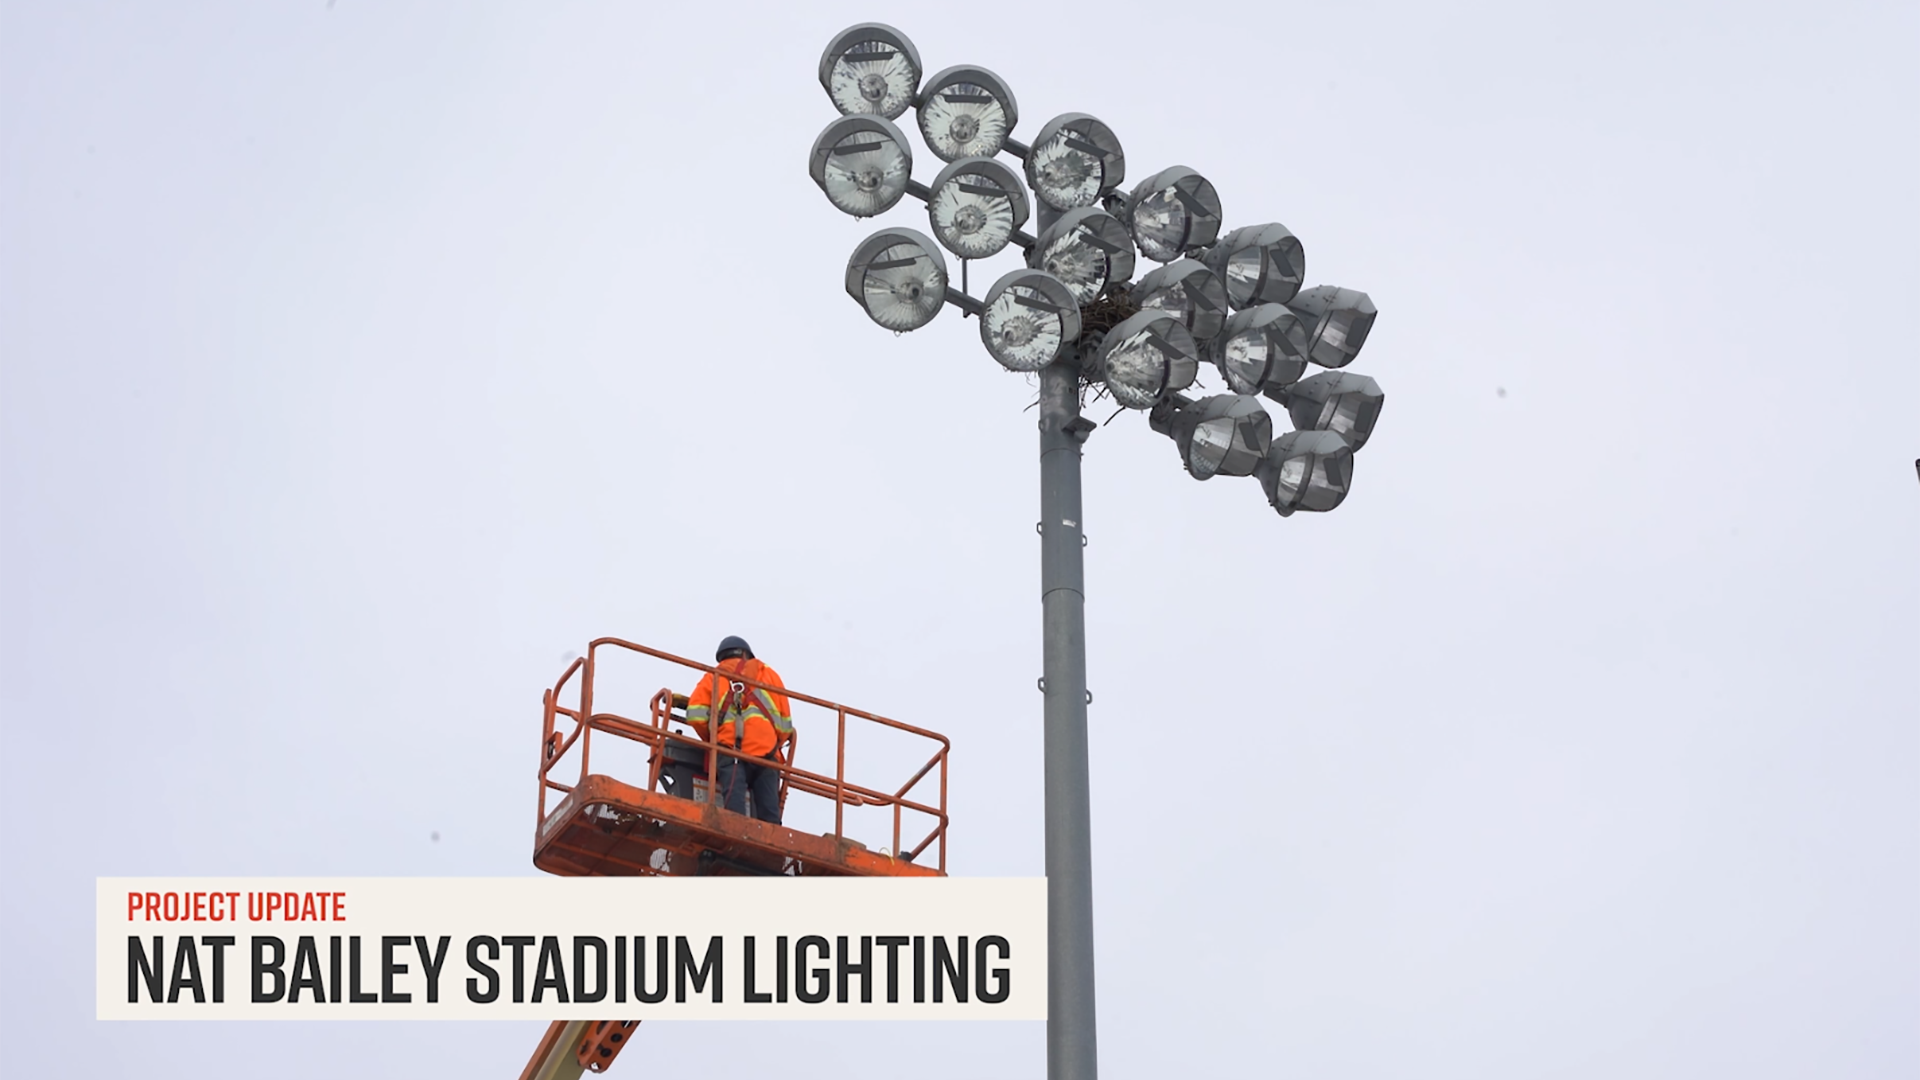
(655,734)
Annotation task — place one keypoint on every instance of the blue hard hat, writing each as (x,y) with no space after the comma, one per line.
(733,643)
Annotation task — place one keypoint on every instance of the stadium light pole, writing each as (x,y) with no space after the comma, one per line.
(1074,317)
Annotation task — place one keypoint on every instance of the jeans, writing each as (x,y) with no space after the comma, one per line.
(737,778)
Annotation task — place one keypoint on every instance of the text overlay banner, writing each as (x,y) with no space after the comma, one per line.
(570,949)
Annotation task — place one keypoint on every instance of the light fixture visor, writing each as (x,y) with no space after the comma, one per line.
(1306,470)
(871,68)
(863,164)
(1074,160)
(1262,348)
(1340,320)
(1173,211)
(1145,357)
(1030,317)
(975,206)
(1260,264)
(966,112)
(899,278)
(1188,291)
(1087,249)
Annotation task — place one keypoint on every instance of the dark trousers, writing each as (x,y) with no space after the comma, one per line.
(738,778)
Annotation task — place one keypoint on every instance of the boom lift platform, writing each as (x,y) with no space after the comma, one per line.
(606,826)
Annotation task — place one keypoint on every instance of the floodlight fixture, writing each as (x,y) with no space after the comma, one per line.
(1342,402)
(1030,316)
(975,204)
(1073,161)
(1262,348)
(1224,435)
(1147,356)
(966,112)
(1261,264)
(1189,292)
(1088,249)
(1306,470)
(863,163)
(871,68)
(899,277)
(1172,212)
(1339,320)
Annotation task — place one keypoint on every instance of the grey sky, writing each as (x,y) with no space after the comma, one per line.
(359,362)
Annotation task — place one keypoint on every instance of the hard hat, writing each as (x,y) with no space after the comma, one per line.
(732,643)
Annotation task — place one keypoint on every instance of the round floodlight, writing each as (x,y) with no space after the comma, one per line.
(1187,291)
(899,277)
(1074,160)
(1339,320)
(1146,357)
(1265,348)
(1173,211)
(863,163)
(1088,249)
(1227,435)
(975,204)
(966,112)
(1261,264)
(871,68)
(1030,316)
(1306,470)
(1338,401)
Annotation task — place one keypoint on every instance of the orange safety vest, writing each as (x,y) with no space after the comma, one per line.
(767,714)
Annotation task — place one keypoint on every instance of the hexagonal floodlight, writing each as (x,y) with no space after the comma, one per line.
(1224,435)
(1173,211)
(1088,249)
(1338,401)
(1030,316)
(871,68)
(1339,320)
(966,112)
(975,205)
(1187,291)
(1306,470)
(863,163)
(1146,357)
(899,277)
(1261,264)
(1265,348)
(1075,159)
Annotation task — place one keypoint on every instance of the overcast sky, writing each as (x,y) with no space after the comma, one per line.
(363,360)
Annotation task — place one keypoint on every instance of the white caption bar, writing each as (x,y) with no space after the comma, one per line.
(570,949)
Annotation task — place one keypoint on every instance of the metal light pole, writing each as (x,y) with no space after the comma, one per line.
(1075,319)
(1071,1044)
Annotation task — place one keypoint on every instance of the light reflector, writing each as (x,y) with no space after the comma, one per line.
(1263,348)
(1306,470)
(1173,211)
(1261,264)
(1338,401)
(1087,249)
(1030,316)
(966,112)
(1339,320)
(871,68)
(863,163)
(1187,291)
(899,278)
(1224,435)
(975,206)
(1074,160)
(1148,355)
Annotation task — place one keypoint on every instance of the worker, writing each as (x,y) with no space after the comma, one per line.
(746,718)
